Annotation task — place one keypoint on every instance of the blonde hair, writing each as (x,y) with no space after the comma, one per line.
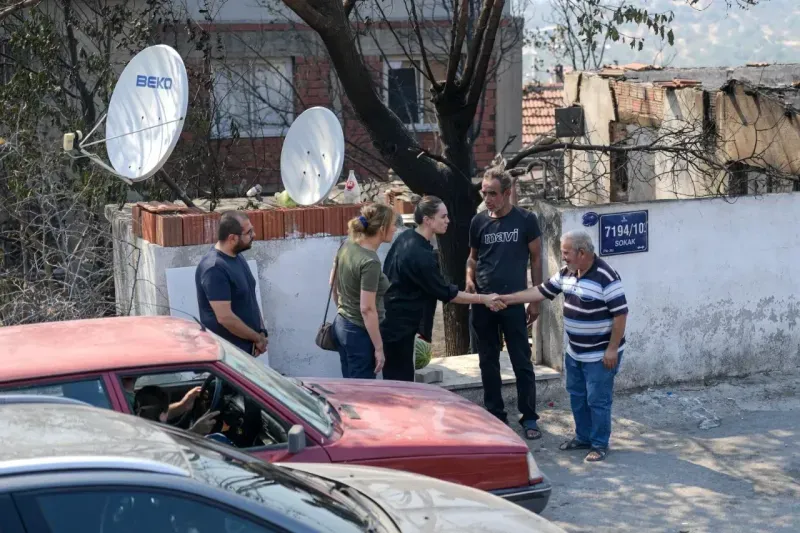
(372,219)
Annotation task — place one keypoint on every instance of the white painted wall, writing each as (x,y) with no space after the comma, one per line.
(675,178)
(587,173)
(641,165)
(715,295)
(182,291)
(293,281)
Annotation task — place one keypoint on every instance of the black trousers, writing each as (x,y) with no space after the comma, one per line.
(487,326)
(399,355)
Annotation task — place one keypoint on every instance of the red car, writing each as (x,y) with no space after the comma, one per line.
(405,426)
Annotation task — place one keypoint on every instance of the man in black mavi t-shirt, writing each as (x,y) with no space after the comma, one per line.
(502,239)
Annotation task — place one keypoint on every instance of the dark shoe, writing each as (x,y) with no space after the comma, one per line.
(574,444)
(596,455)
(531,431)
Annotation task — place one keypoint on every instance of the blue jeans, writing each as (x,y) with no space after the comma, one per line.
(591,389)
(356,352)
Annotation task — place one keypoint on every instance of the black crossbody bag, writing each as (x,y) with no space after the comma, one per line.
(325,338)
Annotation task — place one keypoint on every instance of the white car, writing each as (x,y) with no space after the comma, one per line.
(66,467)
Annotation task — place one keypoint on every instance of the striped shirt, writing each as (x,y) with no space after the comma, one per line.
(590,304)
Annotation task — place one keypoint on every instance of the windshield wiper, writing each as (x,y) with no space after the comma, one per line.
(321,397)
(362,505)
(376,523)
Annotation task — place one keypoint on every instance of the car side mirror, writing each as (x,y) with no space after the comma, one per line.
(297,439)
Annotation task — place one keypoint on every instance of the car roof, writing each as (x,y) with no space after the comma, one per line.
(100,344)
(58,436)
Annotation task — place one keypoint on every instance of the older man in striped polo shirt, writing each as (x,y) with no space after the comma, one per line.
(595,311)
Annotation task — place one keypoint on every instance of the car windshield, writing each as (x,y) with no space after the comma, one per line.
(311,408)
(313,502)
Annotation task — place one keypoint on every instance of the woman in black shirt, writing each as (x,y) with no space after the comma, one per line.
(416,284)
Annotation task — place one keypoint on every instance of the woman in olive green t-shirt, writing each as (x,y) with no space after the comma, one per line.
(358,288)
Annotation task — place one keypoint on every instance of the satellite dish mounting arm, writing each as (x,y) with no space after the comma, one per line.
(80,151)
(69,147)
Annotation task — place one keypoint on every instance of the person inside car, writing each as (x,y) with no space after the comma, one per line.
(152,403)
(174,409)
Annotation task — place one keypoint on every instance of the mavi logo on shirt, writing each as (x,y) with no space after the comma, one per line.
(501,236)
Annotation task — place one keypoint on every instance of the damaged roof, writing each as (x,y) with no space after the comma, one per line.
(788,96)
(618,71)
(778,76)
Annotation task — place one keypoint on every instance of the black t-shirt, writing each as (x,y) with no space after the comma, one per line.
(503,254)
(220,277)
(416,285)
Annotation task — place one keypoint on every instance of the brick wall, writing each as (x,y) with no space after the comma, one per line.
(312,82)
(638,102)
(171,225)
(244,161)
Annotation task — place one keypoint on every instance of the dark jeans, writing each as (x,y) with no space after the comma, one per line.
(512,322)
(399,355)
(356,352)
(591,390)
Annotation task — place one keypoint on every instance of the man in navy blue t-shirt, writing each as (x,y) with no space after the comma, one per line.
(503,240)
(226,289)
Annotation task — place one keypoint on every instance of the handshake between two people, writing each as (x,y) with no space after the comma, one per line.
(495,302)
(498,302)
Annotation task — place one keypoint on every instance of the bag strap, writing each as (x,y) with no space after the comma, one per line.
(333,281)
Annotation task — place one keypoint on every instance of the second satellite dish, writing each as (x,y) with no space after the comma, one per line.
(145,115)
(312,156)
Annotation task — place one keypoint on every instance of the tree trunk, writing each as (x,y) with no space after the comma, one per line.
(454,250)
(461,201)
(447,177)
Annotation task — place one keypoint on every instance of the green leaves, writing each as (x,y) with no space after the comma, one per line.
(584,27)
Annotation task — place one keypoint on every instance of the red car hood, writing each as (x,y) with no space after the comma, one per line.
(397,419)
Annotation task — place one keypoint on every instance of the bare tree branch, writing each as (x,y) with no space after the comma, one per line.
(18,6)
(478,83)
(427,72)
(422,47)
(443,160)
(477,39)
(310,15)
(459,32)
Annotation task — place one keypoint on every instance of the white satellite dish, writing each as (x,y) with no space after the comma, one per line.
(312,155)
(145,116)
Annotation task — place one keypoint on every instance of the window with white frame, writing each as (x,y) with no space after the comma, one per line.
(253,98)
(407,91)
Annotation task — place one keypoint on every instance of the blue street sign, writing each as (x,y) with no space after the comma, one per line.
(590,219)
(623,233)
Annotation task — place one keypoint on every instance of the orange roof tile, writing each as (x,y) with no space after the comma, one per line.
(539,103)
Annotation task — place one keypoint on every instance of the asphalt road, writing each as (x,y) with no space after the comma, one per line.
(717,458)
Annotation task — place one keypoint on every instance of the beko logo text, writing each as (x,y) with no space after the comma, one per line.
(153,82)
